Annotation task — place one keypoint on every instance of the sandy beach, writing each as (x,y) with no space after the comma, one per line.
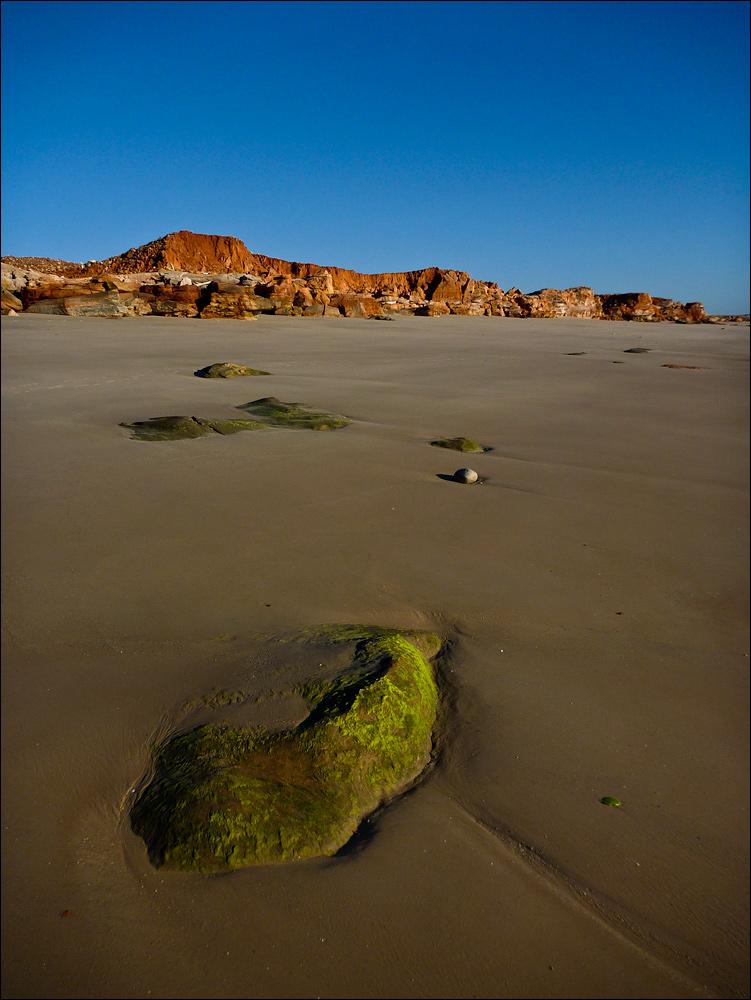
(592,592)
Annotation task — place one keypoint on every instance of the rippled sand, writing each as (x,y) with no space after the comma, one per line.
(592,592)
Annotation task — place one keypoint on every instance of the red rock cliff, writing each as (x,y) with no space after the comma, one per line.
(196,252)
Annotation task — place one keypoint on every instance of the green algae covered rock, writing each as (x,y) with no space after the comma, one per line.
(267,412)
(228,370)
(458,444)
(177,428)
(275,413)
(224,797)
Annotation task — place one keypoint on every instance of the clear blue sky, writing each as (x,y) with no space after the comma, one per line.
(532,144)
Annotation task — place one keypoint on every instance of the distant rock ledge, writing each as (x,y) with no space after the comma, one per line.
(191,275)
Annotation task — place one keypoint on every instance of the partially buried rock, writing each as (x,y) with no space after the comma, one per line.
(224,797)
(465,476)
(275,413)
(458,444)
(267,412)
(228,370)
(177,428)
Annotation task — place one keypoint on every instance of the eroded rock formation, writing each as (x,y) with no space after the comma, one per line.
(216,277)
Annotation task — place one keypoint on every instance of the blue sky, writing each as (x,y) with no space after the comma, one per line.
(532,144)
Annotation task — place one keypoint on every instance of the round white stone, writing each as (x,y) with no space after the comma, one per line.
(465,476)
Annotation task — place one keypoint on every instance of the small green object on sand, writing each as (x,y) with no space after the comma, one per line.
(463,444)
(610,801)
(224,797)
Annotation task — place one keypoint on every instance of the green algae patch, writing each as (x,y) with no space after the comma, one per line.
(466,445)
(228,370)
(178,428)
(224,797)
(275,413)
(267,412)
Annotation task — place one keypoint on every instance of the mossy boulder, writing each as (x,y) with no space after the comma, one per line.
(228,370)
(224,797)
(458,444)
(275,413)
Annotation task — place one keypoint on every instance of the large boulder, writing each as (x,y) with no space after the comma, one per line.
(433,309)
(695,312)
(303,297)
(224,796)
(281,292)
(45,290)
(105,304)
(10,303)
(635,306)
(554,303)
(676,312)
(176,310)
(321,281)
(448,285)
(358,306)
(177,301)
(233,302)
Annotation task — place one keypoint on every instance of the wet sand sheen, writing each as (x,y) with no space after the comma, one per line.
(592,590)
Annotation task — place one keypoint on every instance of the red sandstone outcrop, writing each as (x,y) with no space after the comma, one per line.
(629,305)
(640,307)
(226,301)
(190,274)
(550,303)
(183,251)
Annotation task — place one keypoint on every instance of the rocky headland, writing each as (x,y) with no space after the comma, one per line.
(216,277)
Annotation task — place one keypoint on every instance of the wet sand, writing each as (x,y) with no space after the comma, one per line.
(592,592)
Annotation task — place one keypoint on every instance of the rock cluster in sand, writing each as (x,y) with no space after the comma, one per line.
(216,277)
